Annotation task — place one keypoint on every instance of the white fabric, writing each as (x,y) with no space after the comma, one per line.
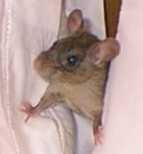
(124,110)
(93,12)
(29,27)
(26,32)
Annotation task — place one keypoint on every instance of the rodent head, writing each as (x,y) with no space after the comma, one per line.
(75,58)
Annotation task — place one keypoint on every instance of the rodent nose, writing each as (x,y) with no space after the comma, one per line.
(43,61)
(38,62)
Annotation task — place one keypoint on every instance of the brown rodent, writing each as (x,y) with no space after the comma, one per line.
(76,68)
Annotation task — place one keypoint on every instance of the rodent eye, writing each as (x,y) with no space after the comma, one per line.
(72,60)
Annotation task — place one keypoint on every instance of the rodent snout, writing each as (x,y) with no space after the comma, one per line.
(40,61)
(43,62)
(37,64)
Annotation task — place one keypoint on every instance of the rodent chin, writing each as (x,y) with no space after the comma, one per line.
(47,75)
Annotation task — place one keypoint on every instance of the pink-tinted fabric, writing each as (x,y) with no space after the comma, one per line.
(1,14)
(7,144)
(124,98)
(29,27)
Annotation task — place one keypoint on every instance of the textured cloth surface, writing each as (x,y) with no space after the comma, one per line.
(29,27)
(123,118)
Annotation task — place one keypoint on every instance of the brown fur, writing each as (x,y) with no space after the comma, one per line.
(80,87)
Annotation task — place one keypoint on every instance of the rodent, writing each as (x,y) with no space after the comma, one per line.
(76,68)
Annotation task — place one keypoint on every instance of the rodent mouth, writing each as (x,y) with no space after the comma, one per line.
(47,74)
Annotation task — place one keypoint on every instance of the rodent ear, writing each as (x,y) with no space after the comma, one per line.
(104,51)
(75,21)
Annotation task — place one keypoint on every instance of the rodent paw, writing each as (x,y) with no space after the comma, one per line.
(98,135)
(27,108)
